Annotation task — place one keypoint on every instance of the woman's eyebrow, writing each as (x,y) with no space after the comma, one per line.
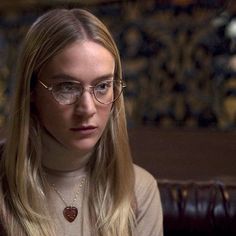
(62,77)
(104,77)
(69,77)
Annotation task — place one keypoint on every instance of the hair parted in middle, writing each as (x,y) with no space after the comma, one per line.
(111,175)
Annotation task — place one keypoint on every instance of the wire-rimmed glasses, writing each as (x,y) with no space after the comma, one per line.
(68,92)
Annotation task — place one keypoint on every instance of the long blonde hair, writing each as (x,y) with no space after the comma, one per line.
(110,169)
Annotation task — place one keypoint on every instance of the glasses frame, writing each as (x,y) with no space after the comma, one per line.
(89,89)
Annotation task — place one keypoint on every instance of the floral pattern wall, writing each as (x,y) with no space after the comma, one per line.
(178,61)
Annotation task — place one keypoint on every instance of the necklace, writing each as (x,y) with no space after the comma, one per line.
(70,212)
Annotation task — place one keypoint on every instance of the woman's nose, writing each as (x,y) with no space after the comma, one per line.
(86,104)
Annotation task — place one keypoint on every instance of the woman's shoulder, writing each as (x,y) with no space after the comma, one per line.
(148,210)
(142,175)
(143,179)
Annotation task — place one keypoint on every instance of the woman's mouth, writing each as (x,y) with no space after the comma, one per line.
(86,130)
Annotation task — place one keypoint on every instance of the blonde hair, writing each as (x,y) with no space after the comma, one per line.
(111,175)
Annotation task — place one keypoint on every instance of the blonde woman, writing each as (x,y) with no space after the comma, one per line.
(66,167)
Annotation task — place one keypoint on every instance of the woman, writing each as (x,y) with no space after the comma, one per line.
(66,165)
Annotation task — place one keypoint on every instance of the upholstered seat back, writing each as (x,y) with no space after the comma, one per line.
(198,208)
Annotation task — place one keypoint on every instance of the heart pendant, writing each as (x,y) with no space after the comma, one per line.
(70,213)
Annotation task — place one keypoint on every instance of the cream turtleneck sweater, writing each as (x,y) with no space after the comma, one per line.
(149,211)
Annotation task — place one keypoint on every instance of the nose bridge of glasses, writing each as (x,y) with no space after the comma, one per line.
(86,102)
(89,89)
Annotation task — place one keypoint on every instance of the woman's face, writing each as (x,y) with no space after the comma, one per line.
(78,126)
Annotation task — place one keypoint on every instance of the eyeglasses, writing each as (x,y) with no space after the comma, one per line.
(68,92)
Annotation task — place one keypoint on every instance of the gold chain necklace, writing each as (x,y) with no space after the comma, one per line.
(70,211)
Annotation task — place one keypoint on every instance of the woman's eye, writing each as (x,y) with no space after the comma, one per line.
(67,87)
(103,86)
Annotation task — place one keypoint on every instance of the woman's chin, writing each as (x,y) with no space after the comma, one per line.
(81,146)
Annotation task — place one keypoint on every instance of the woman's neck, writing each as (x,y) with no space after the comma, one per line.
(56,156)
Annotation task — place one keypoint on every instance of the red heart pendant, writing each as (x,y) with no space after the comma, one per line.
(70,213)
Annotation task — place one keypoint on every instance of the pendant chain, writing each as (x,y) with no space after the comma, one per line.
(80,185)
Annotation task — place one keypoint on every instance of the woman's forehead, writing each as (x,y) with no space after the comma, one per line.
(84,60)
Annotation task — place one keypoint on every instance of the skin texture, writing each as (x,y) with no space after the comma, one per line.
(71,131)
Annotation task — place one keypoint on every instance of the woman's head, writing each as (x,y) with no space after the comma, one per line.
(69,94)
(49,37)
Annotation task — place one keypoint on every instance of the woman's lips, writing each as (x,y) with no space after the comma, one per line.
(84,129)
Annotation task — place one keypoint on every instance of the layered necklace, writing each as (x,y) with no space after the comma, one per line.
(70,211)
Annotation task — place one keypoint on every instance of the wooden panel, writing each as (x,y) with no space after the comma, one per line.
(185,154)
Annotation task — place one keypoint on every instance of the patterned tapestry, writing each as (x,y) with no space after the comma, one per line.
(178,60)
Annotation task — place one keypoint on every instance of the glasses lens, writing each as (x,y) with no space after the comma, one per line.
(107,92)
(66,92)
